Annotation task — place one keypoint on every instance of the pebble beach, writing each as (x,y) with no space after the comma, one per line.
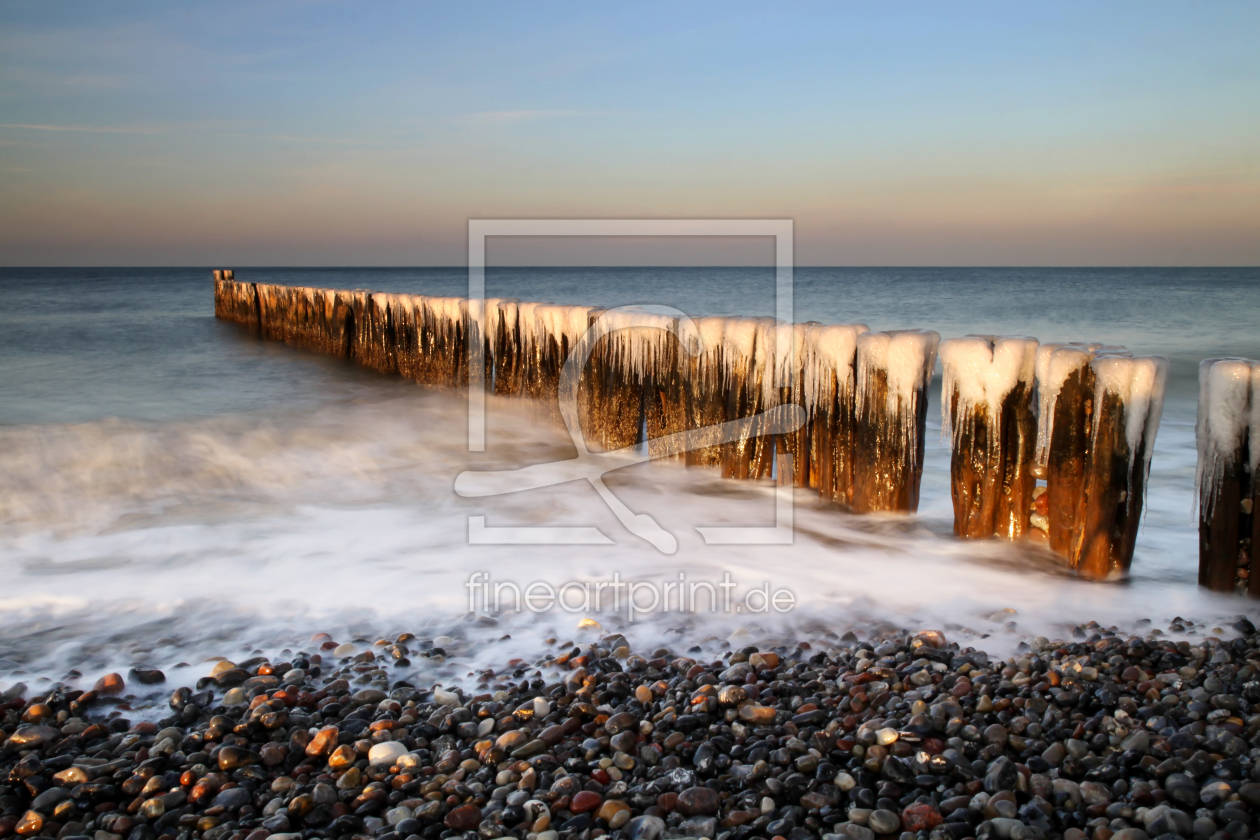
(1106,735)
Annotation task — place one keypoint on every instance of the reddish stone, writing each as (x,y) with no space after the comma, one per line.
(961,688)
(738,818)
(30,824)
(463,818)
(697,801)
(667,802)
(921,816)
(585,800)
(933,746)
(601,776)
(324,742)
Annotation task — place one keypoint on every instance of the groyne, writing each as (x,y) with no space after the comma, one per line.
(1049,443)
(1228,437)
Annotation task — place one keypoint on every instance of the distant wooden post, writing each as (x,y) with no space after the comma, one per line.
(986,407)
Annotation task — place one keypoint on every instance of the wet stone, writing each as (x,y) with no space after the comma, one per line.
(698,801)
(881,821)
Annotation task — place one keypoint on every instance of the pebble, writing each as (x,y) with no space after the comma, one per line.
(386,753)
(1099,737)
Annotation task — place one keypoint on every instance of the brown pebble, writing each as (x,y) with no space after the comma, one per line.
(109,684)
(463,818)
(324,742)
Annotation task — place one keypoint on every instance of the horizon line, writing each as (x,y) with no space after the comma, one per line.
(269,267)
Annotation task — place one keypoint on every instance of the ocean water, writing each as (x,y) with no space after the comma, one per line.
(172,488)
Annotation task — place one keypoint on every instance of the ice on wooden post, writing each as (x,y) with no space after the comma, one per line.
(987,412)
(743,366)
(893,373)
(503,343)
(1127,403)
(548,333)
(790,343)
(634,354)
(705,394)
(828,388)
(1065,394)
(1227,434)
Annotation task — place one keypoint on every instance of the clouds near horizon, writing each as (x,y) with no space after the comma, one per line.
(306,132)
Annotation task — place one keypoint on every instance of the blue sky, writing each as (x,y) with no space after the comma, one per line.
(319,133)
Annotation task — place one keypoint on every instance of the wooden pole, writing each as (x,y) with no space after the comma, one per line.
(1128,401)
(987,407)
(893,373)
(829,389)
(1224,479)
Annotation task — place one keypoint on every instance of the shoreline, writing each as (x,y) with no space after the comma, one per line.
(1105,736)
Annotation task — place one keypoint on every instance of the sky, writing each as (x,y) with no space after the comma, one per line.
(321,133)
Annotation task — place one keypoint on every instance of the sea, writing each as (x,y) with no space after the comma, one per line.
(173,488)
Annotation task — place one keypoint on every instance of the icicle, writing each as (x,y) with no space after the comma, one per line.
(1126,402)
(982,371)
(906,358)
(830,355)
(639,340)
(1055,363)
(893,372)
(1223,423)
(986,412)
(739,343)
(1138,381)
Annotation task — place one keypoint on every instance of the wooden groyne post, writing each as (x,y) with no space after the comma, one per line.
(865,394)
(1127,404)
(894,370)
(1227,434)
(987,411)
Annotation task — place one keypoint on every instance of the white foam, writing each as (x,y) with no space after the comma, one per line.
(228,535)
(983,370)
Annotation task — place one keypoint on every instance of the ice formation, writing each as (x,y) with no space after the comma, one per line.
(1054,365)
(639,340)
(1139,383)
(906,358)
(829,359)
(1228,415)
(982,371)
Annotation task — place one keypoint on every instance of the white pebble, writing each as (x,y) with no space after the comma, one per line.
(386,752)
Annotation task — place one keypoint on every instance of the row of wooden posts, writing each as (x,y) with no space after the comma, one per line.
(1049,442)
